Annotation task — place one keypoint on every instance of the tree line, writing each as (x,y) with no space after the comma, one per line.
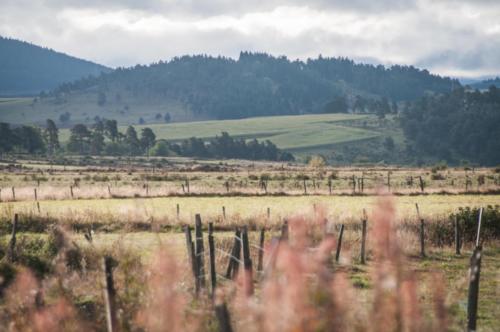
(461,126)
(105,138)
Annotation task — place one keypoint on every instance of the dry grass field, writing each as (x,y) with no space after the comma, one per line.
(53,274)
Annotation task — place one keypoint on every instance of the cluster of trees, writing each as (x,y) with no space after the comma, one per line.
(259,84)
(24,138)
(458,126)
(359,104)
(224,146)
(104,138)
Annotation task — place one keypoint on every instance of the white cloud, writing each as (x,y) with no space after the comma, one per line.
(454,37)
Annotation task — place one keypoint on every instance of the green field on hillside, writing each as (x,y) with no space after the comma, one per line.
(83,109)
(287,132)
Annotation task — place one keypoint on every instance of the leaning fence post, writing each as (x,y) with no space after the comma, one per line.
(38,207)
(36,196)
(472,302)
(261,249)
(71,190)
(233,266)
(11,255)
(457,237)
(13,193)
(200,251)
(363,239)
(479,227)
(211,248)
(247,262)
(339,243)
(191,255)
(109,294)
(422,183)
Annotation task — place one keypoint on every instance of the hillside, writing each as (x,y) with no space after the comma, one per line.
(27,69)
(192,88)
(484,85)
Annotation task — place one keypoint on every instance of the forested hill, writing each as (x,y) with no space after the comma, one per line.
(483,85)
(459,126)
(27,69)
(255,84)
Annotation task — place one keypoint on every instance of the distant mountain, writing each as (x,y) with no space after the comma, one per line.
(27,69)
(485,84)
(254,85)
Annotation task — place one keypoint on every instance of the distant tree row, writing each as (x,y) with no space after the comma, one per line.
(260,84)
(458,126)
(104,138)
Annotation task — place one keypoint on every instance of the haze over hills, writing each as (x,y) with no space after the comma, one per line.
(27,69)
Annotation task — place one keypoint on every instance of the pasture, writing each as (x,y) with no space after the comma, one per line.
(299,231)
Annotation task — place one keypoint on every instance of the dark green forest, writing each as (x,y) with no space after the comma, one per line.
(27,69)
(258,84)
(459,127)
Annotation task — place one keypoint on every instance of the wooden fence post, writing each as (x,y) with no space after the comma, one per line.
(330,186)
(268,214)
(38,207)
(200,251)
(11,254)
(261,249)
(13,193)
(305,186)
(224,212)
(389,181)
(363,240)
(178,211)
(109,191)
(71,190)
(36,196)
(247,262)
(339,243)
(353,183)
(109,294)
(223,319)
(233,266)
(472,302)
(187,185)
(284,231)
(457,236)
(422,232)
(211,248)
(191,255)
(422,183)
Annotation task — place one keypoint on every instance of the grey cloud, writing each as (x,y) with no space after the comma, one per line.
(442,43)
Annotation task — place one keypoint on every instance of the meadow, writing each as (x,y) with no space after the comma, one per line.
(294,132)
(298,266)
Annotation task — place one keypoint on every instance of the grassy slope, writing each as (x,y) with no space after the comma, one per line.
(83,108)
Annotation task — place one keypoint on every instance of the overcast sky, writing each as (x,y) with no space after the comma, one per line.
(449,37)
